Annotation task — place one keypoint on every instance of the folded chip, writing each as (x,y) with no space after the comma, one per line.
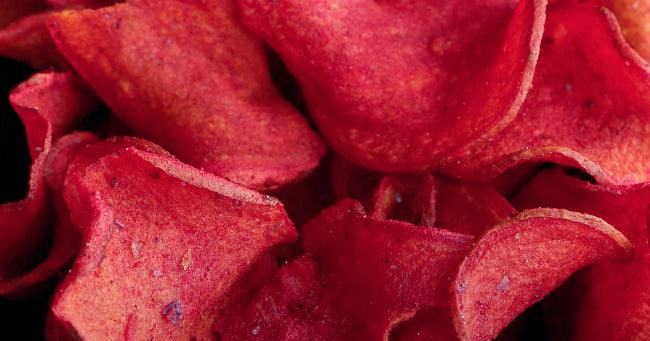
(186,76)
(613,300)
(65,238)
(29,41)
(425,199)
(588,107)
(407,198)
(395,85)
(86,157)
(340,291)
(48,104)
(163,246)
(381,272)
(626,211)
(293,305)
(634,18)
(519,261)
(615,303)
(11,10)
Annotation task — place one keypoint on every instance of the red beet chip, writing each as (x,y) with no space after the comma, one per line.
(633,16)
(468,208)
(427,325)
(11,10)
(293,305)
(29,41)
(81,3)
(611,300)
(518,262)
(65,237)
(626,211)
(406,198)
(614,304)
(186,76)
(89,155)
(340,291)
(163,247)
(587,108)
(395,85)
(48,104)
(381,272)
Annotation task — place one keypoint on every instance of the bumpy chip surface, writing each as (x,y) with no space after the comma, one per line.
(518,262)
(588,106)
(163,247)
(393,85)
(185,75)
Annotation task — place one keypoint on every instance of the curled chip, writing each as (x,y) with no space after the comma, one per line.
(293,305)
(614,304)
(186,76)
(65,238)
(408,268)
(340,291)
(634,18)
(426,200)
(427,325)
(627,211)
(11,10)
(468,208)
(28,40)
(588,106)
(394,85)
(89,155)
(518,262)
(163,246)
(48,104)
(406,198)
(84,3)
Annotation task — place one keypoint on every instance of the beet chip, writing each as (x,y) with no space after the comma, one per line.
(468,208)
(186,76)
(89,155)
(11,10)
(65,238)
(293,305)
(615,301)
(394,85)
(634,18)
(406,198)
(361,277)
(628,211)
(28,40)
(588,106)
(48,104)
(381,272)
(518,262)
(163,247)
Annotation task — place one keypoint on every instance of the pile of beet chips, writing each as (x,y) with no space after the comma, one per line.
(325,170)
